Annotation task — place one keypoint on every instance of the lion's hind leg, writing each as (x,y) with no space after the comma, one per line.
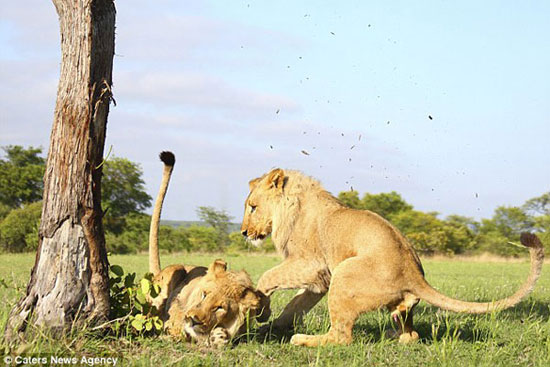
(402,317)
(351,292)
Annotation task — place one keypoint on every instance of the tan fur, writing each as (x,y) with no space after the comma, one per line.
(207,305)
(169,160)
(359,258)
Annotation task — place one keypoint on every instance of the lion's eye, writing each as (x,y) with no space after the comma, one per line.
(203,295)
(252,208)
(219,308)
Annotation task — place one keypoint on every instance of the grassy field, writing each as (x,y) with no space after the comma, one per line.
(520,336)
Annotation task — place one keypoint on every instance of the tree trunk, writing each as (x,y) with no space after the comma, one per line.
(69,280)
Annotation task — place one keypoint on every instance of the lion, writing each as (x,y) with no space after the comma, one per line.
(361,260)
(206,305)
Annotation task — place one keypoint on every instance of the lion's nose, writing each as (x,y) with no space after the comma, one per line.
(195,321)
(244,233)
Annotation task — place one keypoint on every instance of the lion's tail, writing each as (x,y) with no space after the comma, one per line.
(169,160)
(430,295)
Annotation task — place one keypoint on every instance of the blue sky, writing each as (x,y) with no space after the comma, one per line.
(237,88)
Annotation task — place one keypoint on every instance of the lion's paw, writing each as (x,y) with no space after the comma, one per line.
(299,339)
(406,338)
(219,338)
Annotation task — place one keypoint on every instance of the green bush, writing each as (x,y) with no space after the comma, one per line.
(130,312)
(19,229)
(123,192)
(133,236)
(21,181)
(174,239)
(203,238)
(4,211)
(496,243)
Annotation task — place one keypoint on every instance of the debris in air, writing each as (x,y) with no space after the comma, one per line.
(430,117)
(332,33)
(353,146)
(271,146)
(359,137)
(304,152)
(278,110)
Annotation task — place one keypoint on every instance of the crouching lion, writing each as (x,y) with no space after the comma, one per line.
(207,305)
(359,258)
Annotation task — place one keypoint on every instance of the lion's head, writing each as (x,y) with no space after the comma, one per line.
(262,205)
(221,299)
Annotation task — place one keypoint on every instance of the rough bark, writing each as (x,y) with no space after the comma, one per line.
(69,280)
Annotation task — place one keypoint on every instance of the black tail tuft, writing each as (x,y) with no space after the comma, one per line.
(530,240)
(168,158)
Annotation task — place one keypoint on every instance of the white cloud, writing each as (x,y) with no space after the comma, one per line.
(199,91)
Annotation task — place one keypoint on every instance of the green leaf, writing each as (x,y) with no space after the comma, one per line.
(145,285)
(129,280)
(140,297)
(117,270)
(158,323)
(137,324)
(148,325)
(113,282)
(155,290)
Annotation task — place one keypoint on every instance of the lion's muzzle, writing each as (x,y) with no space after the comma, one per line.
(194,327)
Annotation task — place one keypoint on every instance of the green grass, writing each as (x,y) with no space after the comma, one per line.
(520,336)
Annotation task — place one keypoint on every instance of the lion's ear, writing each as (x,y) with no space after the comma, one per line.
(217,267)
(256,303)
(276,178)
(253,183)
(249,301)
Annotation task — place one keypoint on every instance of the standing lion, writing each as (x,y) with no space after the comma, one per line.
(359,258)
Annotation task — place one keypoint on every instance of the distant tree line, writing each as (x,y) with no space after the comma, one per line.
(457,234)
(127,226)
(124,200)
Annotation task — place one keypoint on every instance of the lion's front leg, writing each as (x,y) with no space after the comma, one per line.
(312,278)
(295,274)
(297,308)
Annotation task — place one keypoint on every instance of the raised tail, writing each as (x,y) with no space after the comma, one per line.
(529,240)
(169,160)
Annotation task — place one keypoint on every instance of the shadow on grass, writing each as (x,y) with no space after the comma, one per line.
(466,333)
(528,309)
(266,333)
(468,330)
